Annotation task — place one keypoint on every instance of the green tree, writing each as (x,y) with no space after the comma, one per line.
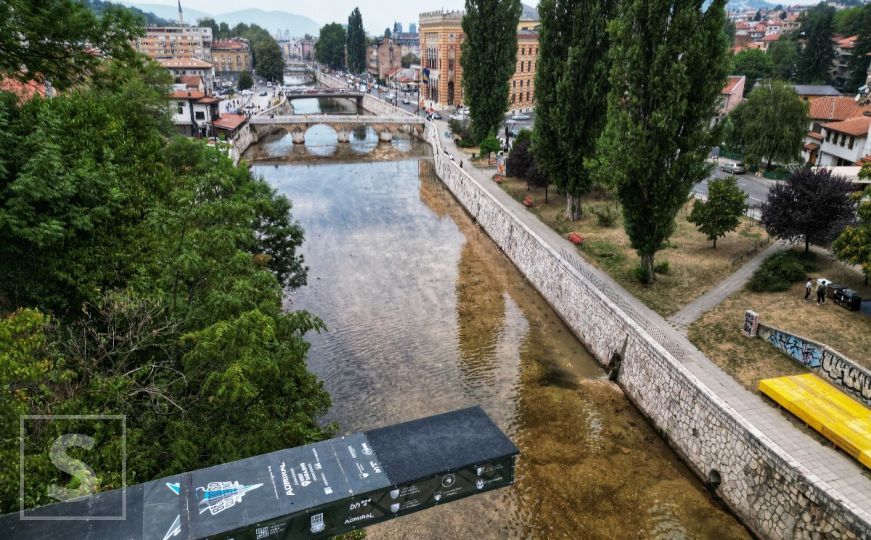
(669,64)
(158,269)
(753,64)
(784,54)
(356,42)
(861,56)
(488,58)
(409,59)
(571,92)
(848,22)
(771,124)
(56,39)
(267,57)
(815,58)
(721,212)
(489,146)
(853,246)
(330,48)
(245,80)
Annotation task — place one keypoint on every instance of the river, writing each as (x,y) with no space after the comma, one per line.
(426,315)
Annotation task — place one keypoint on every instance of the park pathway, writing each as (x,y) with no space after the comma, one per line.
(845,478)
(711,299)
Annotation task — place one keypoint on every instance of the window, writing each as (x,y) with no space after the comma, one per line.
(200,115)
(180,109)
(528,64)
(521,66)
(852,140)
(828,136)
(513,98)
(523,51)
(514,83)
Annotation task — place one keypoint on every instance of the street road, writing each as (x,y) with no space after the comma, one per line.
(756,187)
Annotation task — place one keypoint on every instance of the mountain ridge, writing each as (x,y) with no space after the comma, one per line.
(273,21)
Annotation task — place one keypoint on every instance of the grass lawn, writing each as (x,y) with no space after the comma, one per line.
(718,332)
(694,267)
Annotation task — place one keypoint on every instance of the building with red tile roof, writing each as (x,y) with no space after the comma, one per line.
(24,90)
(845,142)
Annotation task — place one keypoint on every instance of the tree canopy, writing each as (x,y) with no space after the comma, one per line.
(854,244)
(143,274)
(771,124)
(330,47)
(815,57)
(356,42)
(811,206)
(62,40)
(669,63)
(861,56)
(755,65)
(488,58)
(721,212)
(571,92)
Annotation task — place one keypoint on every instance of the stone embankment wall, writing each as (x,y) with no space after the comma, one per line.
(823,360)
(772,494)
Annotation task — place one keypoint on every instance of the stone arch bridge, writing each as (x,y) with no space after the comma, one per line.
(298,124)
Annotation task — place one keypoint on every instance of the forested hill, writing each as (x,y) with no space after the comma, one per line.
(98,6)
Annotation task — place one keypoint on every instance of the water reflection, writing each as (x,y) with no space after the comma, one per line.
(426,315)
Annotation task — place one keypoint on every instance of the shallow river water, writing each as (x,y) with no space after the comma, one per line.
(426,315)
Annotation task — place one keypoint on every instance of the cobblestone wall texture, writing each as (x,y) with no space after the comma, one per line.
(770,492)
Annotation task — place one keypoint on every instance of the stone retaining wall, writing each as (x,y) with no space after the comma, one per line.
(772,494)
(823,360)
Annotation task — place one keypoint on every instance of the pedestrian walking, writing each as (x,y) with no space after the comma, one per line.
(807,289)
(821,294)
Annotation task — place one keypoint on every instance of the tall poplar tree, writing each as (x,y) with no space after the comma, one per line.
(356,43)
(571,83)
(815,58)
(669,63)
(489,55)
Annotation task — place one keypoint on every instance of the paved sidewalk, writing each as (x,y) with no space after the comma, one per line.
(846,479)
(711,299)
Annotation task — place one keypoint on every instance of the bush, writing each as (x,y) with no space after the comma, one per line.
(661,268)
(641,274)
(779,272)
(606,216)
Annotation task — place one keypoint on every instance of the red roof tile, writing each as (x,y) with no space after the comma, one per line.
(188,94)
(230,121)
(815,135)
(835,108)
(732,81)
(854,126)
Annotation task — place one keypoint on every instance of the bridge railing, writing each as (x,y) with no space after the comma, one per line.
(335,119)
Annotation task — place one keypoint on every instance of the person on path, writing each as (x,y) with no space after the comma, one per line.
(821,294)
(807,289)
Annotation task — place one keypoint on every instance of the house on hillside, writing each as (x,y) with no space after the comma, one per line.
(731,95)
(840,71)
(180,67)
(825,110)
(193,112)
(845,143)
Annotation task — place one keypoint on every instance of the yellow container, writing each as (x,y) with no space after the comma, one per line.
(840,418)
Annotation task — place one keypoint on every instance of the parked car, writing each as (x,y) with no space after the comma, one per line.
(264,93)
(520,117)
(434,116)
(734,168)
(405,101)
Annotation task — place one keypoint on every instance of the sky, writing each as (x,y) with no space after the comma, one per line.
(377,14)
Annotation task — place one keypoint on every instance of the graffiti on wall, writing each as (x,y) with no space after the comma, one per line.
(839,370)
(803,351)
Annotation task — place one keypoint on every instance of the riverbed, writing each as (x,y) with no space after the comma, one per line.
(426,315)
